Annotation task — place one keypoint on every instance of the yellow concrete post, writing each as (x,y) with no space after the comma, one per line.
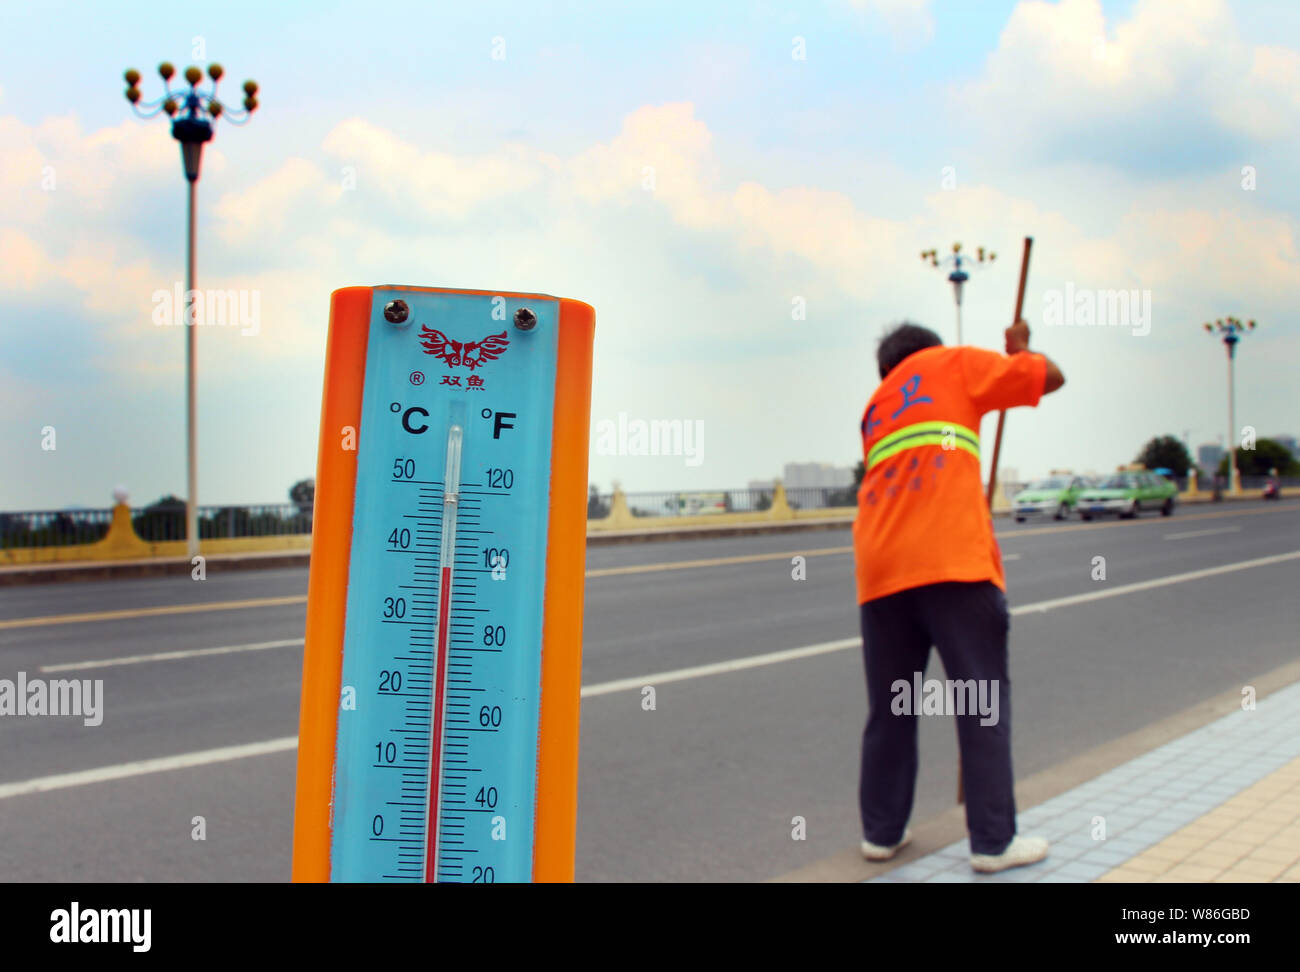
(620,517)
(780,508)
(121,541)
(1001,502)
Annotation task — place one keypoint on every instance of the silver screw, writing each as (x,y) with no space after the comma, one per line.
(396,312)
(525,319)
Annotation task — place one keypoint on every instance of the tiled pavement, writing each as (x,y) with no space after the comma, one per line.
(1220,803)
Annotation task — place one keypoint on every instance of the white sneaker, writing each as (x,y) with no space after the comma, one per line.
(875,852)
(1021,851)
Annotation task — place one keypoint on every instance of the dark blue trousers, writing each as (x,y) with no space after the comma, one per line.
(968,624)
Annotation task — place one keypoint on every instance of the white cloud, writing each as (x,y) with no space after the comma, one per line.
(438,184)
(1175,75)
(816,225)
(275,204)
(907,19)
(692,280)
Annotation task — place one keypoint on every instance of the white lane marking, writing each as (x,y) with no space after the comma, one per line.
(170,655)
(719,668)
(123,770)
(1201,533)
(753,661)
(1147,585)
(290,643)
(143,767)
(789,654)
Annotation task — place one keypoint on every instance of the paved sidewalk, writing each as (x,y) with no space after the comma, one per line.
(1221,803)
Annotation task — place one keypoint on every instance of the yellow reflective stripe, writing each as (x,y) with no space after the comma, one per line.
(915,429)
(927,438)
(922,434)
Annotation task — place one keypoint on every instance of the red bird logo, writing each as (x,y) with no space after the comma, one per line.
(455,353)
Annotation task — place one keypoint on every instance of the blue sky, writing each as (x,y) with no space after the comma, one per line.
(1115,133)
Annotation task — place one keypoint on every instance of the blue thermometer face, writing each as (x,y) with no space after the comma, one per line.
(435,769)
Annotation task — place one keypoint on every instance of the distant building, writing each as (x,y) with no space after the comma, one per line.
(761,484)
(1208,456)
(816,475)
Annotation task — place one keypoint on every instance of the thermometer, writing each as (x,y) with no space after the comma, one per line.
(438,733)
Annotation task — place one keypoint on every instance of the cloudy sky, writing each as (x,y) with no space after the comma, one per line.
(801,158)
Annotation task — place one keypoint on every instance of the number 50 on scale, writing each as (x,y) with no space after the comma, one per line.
(438,732)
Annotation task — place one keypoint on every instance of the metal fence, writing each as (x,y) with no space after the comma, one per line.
(1204,484)
(53,528)
(152,524)
(157,524)
(1253,483)
(706,502)
(160,523)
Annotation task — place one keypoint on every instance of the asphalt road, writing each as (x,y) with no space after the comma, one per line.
(702,788)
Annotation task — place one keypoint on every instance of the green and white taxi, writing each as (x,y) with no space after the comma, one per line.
(1054,496)
(1127,494)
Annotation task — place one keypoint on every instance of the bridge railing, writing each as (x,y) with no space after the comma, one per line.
(694,502)
(152,524)
(53,528)
(161,523)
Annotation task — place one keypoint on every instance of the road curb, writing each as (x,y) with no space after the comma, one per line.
(152,567)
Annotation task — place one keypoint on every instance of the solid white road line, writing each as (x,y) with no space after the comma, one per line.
(123,770)
(789,654)
(719,668)
(1201,533)
(170,655)
(1148,585)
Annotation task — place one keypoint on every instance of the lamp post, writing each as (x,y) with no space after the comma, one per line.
(1231,330)
(959,276)
(193,114)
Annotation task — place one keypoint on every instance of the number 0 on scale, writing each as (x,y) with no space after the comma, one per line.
(438,732)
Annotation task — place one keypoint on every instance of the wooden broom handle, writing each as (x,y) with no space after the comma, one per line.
(1002,415)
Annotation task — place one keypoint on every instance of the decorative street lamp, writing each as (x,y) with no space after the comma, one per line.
(959,265)
(192,127)
(1231,329)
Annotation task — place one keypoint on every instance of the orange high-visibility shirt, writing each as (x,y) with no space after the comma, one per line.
(922,516)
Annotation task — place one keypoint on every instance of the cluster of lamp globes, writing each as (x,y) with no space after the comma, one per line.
(981,256)
(193,75)
(1229,326)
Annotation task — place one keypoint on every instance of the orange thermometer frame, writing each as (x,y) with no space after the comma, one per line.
(357,319)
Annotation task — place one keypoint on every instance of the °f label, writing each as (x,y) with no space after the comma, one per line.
(435,776)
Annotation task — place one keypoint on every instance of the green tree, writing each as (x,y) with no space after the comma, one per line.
(303,494)
(1266,455)
(597,508)
(163,519)
(1167,452)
